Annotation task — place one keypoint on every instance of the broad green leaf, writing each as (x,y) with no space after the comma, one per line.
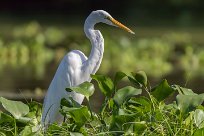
(134,82)
(118,121)
(135,127)
(187,103)
(201,107)
(162,91)
(69,102)
(105,84)
(5,118)
(27,131)
(141,77)
(125,93)
(139,127)
(16,108)
(118,76)
(199,132)
(199,118)
(182,90)
(80,115)
(141,101)
(86,88)
(141,104)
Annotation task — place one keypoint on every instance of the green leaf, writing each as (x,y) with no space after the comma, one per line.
(27,131)
(199,118)
(35,111)
(5,118)
(199,132)
(141,77)
(187,103)
(134,82)
(118,121)
(182,90)
(16,108)
(80,115)
(141,104)
(118,76)
(69,102)
(125,93)
(162,91)
(26,120)
(135,127)
(139,127)
(86,88)
(105,84)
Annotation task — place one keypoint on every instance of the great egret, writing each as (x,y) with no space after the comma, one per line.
(75,68)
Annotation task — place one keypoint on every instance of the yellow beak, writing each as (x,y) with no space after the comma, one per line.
(115,22)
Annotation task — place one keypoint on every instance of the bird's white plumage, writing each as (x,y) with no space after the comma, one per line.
(75,68)
(67,74)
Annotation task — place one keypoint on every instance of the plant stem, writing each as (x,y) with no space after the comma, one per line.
(104,107)
(15,127)
(89,106)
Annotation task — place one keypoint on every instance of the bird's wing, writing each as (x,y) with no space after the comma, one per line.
(66,75)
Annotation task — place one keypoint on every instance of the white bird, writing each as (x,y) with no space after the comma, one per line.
(75,68)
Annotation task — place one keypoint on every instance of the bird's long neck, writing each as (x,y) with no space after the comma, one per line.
(97,42)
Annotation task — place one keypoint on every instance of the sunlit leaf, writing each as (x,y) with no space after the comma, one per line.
(189,119)
(26,120)
(199,132)
(86,88)
(162,91)
(187,103)
(182,90)
(105,84)
(27,131)
(16,108)
(125,93)
(199,118)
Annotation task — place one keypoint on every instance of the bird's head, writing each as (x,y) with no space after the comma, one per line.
(105,17)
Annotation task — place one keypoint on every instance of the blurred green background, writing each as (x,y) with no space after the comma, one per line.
(35,35)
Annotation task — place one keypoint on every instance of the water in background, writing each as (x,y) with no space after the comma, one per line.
(31,52)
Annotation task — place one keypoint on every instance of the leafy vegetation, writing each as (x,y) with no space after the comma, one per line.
(136,109)
(24,48)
